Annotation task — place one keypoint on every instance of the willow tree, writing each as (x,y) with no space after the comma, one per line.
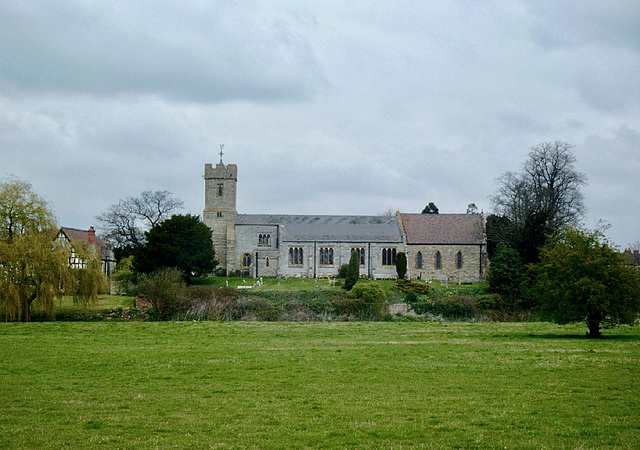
(34,267)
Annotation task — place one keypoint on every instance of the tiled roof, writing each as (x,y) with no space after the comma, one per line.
(443,228)
(73,234)
(300,228)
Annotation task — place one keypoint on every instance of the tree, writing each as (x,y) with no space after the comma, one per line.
(542,199)
(431,208)
(34,267)
(401,265)
(506,273)
(580,278)
(353,271)
(165,290)
(22,210)
(126,221)
(183,242)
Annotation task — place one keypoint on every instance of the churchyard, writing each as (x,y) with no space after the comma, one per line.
(402,384)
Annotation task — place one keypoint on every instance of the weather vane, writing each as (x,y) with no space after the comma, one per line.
(221,147)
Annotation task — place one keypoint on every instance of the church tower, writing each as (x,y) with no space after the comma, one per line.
(220,212)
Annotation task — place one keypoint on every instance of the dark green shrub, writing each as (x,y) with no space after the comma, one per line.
(353,271)
(364,301)
(506,274)
(407,286)
(342,271)
(401,265)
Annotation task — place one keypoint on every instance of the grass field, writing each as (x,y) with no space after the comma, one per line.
(359,384)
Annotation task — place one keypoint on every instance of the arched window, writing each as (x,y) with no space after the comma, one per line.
(419,260)
(388,256)
(219,190)
(360,253)
(459,260)
(266,262)
(326,256)
(438,262)
(246,261)
(295,256)
(264,240)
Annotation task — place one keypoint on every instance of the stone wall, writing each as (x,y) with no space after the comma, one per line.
(473,263)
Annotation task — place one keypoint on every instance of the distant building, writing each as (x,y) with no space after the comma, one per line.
(438,246)
(69,236)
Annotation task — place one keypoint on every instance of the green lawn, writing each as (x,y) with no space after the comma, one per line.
(359,384)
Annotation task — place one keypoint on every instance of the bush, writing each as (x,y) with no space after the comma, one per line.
(166,291)
(364,301)
(401,265)
(342,271)
(408,286)
(353,271)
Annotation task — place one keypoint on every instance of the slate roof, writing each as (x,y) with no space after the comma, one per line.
(443,228)
(301,228)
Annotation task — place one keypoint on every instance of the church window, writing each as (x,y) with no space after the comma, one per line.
(295,256)
(459,260)
(419,260)
(246,261)
(326,256)
(360,252)
(266,262)
(219,214)
(264,240)
(438,263)
(219,190)
(388,256)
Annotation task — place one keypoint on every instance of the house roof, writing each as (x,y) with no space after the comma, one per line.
(301,228)
(443,228)
(88,236)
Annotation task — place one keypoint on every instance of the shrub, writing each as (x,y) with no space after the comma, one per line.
(408,286)
(364,301)
(166,291)
(401,265)
(353,271)
(342,271)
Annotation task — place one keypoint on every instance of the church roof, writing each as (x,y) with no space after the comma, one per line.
(443,228)
(301,228)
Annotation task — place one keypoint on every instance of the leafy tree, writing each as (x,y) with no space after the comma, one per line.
(581,279)
(499,230)
(431,208)
(353,271)
(401,265)
(22,210)
(34,267)
(126,221)
(542,199)
(506,273)
(183,242)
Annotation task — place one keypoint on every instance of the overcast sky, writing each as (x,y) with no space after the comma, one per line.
(331,107)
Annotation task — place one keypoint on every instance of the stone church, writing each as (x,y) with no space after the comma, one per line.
(445,247)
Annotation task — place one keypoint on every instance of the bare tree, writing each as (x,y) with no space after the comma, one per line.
(126,221)
(541,199)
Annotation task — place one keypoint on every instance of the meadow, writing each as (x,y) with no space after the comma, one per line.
(338,384)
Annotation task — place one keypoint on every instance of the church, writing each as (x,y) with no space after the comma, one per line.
(444,247)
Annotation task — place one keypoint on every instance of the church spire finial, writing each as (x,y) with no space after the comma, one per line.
(221,147)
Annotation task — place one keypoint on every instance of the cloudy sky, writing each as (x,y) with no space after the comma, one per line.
(331,107)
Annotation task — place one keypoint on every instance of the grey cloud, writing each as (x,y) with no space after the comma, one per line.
(178,51)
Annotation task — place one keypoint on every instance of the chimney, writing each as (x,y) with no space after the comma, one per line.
(91,236)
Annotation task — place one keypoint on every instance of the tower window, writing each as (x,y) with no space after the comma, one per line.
(219,214)
(246,261)
(219,190)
